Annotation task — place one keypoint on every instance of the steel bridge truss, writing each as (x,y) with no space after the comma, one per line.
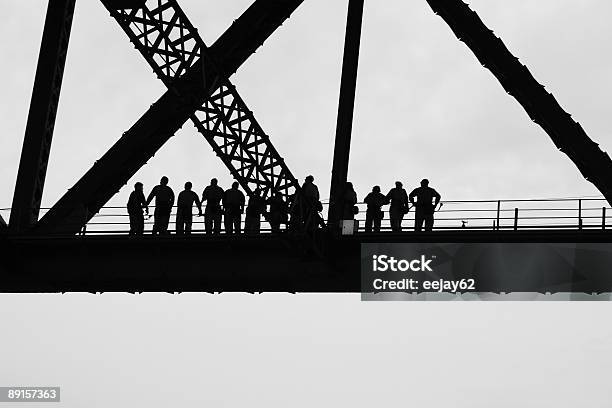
(198,89)
(541,106)
(41,117)
(171,45)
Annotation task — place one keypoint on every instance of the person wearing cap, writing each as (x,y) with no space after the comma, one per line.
(164,200)
(427,200)
(136,203)
(213,194)
(399,206)
(184,214)
(374,214)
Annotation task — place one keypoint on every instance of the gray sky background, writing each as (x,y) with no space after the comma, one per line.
(424,108)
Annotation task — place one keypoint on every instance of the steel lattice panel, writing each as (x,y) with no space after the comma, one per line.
(173,48)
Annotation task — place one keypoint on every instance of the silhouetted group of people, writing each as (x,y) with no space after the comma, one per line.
(300,212)
(302,207)
(424,198)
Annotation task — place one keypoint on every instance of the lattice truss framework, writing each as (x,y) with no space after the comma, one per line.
(173,48)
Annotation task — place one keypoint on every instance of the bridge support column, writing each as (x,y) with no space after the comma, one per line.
(344,125)
(41,118)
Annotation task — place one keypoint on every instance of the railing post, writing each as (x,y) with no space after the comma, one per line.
(580,214)
(498,211)
(603,218)
(516,219)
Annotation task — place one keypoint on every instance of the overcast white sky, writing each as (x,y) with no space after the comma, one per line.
(424,108)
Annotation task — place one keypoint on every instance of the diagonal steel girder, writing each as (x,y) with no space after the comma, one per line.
(541,106)
(198,89)
(42,114)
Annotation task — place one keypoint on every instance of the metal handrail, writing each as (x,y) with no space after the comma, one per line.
(454,215)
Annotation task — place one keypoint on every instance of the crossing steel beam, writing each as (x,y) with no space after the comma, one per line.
(541,106)
(198,89)
(41,117)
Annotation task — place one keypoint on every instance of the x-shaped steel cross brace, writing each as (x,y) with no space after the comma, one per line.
(198,89)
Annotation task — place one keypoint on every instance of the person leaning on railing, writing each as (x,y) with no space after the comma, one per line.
(164,200)
(349,200)
(278,211)
(311,204)
(427,200)
(136,203)
(399,206)
(374,214)
(212,194)
(254,211)
(233,204)
(184,209)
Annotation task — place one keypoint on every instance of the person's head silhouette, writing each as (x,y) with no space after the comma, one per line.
(424,183)
(213,182)
(188,185)
(309,179)
(376,189)
(398,184)
(164,181)
(235,185)
(138,186)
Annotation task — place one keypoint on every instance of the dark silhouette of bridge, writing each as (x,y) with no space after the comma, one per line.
(66,249)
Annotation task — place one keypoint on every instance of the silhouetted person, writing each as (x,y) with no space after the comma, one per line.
(164,200)
(399,206)
(374,215)
(311,205)
(184,214)
(256,207)
(349,200)
(135,205)
(278,211)
(426,201)
(233,203)
(213,194)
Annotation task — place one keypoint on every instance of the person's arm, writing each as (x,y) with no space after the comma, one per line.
(438,197)
(204,195)
(242,201)
(411,197)
(151,195)
(171,198)
(198,203)
(143,203)
(385,199)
